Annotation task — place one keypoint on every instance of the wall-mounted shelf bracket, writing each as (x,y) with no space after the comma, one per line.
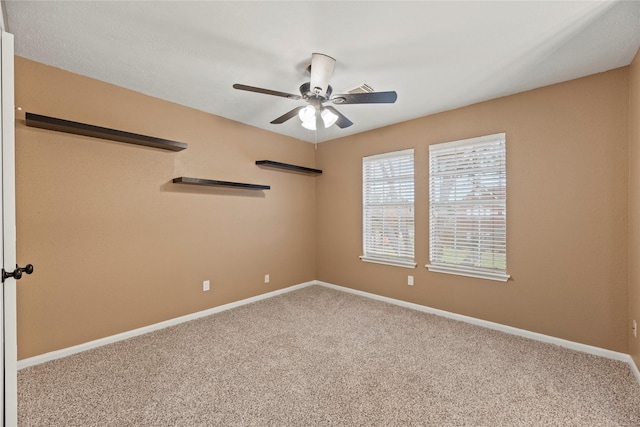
(286,166)
(211,182)
(60,125)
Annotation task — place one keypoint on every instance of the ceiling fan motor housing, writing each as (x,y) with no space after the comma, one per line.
(312,97)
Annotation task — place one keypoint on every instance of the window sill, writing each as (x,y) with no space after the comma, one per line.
(498,276)
(393,262)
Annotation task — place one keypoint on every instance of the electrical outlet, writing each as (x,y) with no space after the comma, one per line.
(635,329)
(410,280)
(205,286)
(266,278)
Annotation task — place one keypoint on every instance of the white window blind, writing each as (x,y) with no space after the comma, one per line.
(388,199)
(467,207)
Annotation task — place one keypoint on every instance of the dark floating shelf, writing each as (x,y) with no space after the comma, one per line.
(287,166)
(211,182)
(51,123)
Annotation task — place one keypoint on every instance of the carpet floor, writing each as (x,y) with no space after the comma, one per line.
(317,357)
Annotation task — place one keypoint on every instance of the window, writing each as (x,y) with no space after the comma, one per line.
(467,207)
(387,200)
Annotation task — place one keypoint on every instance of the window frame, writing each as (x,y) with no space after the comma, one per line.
(369,253)
(467,175)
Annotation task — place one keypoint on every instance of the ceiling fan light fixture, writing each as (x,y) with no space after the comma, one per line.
(328,117)
(308,117)
(308,113)
(311,125)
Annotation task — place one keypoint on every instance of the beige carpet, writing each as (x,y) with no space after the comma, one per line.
(318,357)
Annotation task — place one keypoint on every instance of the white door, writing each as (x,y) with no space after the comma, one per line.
(9,358)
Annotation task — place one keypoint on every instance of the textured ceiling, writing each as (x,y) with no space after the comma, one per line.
(436,55)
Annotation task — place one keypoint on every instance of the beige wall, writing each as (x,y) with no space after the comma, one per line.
(115,245)
(567,170)
(634,205)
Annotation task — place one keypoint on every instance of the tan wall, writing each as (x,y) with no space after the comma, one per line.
(115,245)
(634,205)
(567,169)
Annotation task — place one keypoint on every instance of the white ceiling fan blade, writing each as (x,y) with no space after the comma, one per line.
(321,71)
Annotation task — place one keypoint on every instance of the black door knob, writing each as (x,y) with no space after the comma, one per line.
(17,273)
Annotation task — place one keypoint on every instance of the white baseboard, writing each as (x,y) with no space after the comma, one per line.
(491,325)
(57,354)
(634,369)
(53,355)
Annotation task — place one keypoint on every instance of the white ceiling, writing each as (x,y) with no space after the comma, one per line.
(436,55)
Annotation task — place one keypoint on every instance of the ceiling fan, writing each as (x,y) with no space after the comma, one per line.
(318,92)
